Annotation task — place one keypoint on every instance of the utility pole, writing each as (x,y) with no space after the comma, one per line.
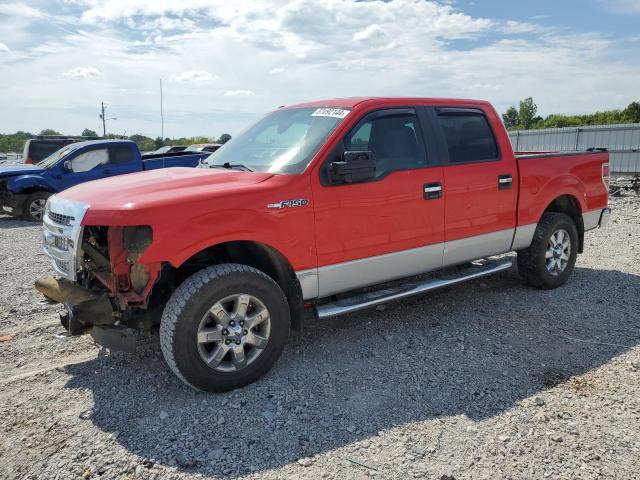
(104,120)
(104,125)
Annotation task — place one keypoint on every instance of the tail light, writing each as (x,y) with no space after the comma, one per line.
(29,160)
(606,175)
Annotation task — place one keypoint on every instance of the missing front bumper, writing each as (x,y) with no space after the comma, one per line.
(85,308)
(92,313)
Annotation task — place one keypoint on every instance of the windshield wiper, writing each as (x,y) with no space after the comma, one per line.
(233,165)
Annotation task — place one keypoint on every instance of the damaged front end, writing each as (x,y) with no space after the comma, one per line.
(104,288)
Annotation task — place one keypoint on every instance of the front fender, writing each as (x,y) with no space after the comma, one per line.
(289,232)
(25,183)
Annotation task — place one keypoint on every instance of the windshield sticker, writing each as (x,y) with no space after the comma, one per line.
(330,112)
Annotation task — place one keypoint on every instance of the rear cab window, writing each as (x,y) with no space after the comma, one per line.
(468,135)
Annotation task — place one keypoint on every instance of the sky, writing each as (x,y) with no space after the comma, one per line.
(225,63)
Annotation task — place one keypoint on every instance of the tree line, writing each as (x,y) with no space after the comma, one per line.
(526,117)
(14,142)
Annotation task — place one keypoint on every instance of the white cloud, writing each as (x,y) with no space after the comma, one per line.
(238,93)
(328,48)
(4,48)
(519,27)
(83,73)
(367,33)
(193,76)
(168,23)
(21,10)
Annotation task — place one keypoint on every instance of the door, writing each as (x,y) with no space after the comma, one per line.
(479,186)
(388,227)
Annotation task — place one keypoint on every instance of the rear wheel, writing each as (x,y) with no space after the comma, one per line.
(33,208)
(551,258)
(224,327)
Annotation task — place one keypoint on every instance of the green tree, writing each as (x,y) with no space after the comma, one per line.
(49,131)
(632,112)
(224,138)
(89,133)
(511,118)
(527,112)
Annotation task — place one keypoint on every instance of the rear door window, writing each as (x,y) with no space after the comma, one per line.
(468,136)
(121,154)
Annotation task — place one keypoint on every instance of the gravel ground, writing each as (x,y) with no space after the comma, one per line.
(486,380)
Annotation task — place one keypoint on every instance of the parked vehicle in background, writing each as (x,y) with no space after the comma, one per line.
(39,148)
(203,147)
(169,149)
(314,209)
(24,189)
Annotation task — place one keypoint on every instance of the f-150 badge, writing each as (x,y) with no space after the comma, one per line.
(298,202)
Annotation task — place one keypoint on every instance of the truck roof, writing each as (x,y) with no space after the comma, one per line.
(351,102)
(106,141)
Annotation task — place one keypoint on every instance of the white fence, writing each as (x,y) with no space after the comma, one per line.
(622,141)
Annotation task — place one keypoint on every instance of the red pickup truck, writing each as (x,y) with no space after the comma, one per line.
(326,208)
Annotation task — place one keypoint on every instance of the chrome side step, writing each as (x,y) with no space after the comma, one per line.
(371,299)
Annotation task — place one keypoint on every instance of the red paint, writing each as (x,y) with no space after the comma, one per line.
(192,209)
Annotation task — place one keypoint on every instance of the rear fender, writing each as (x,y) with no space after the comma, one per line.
(558,186)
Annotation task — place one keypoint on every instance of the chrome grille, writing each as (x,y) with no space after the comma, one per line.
(61,234)
(61,219)
(62,243)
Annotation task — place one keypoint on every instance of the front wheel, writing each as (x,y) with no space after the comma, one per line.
(224,327)
(551,257)
(33,208)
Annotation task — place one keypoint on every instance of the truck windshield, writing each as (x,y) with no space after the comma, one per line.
(52,159)
(283,141)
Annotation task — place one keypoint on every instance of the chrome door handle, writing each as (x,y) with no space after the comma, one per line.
(505,182)
(432,191)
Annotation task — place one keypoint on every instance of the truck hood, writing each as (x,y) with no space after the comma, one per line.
(154,188)
(13,170)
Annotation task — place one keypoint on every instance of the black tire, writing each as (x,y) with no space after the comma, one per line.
(188,305)
(28,212)
(532,264)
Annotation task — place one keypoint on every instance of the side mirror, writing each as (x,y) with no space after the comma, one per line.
(355,167)
(67,166)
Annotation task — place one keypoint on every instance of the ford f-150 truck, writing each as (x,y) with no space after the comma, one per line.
(24,189)
(321,208)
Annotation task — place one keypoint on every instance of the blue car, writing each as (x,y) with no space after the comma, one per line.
(24,189)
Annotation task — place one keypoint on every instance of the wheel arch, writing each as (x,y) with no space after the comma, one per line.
(29,184)
(253,254)
(570,206)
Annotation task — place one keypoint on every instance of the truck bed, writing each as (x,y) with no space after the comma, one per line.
(543,174)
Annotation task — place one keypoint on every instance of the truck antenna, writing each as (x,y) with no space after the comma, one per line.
(161,121)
